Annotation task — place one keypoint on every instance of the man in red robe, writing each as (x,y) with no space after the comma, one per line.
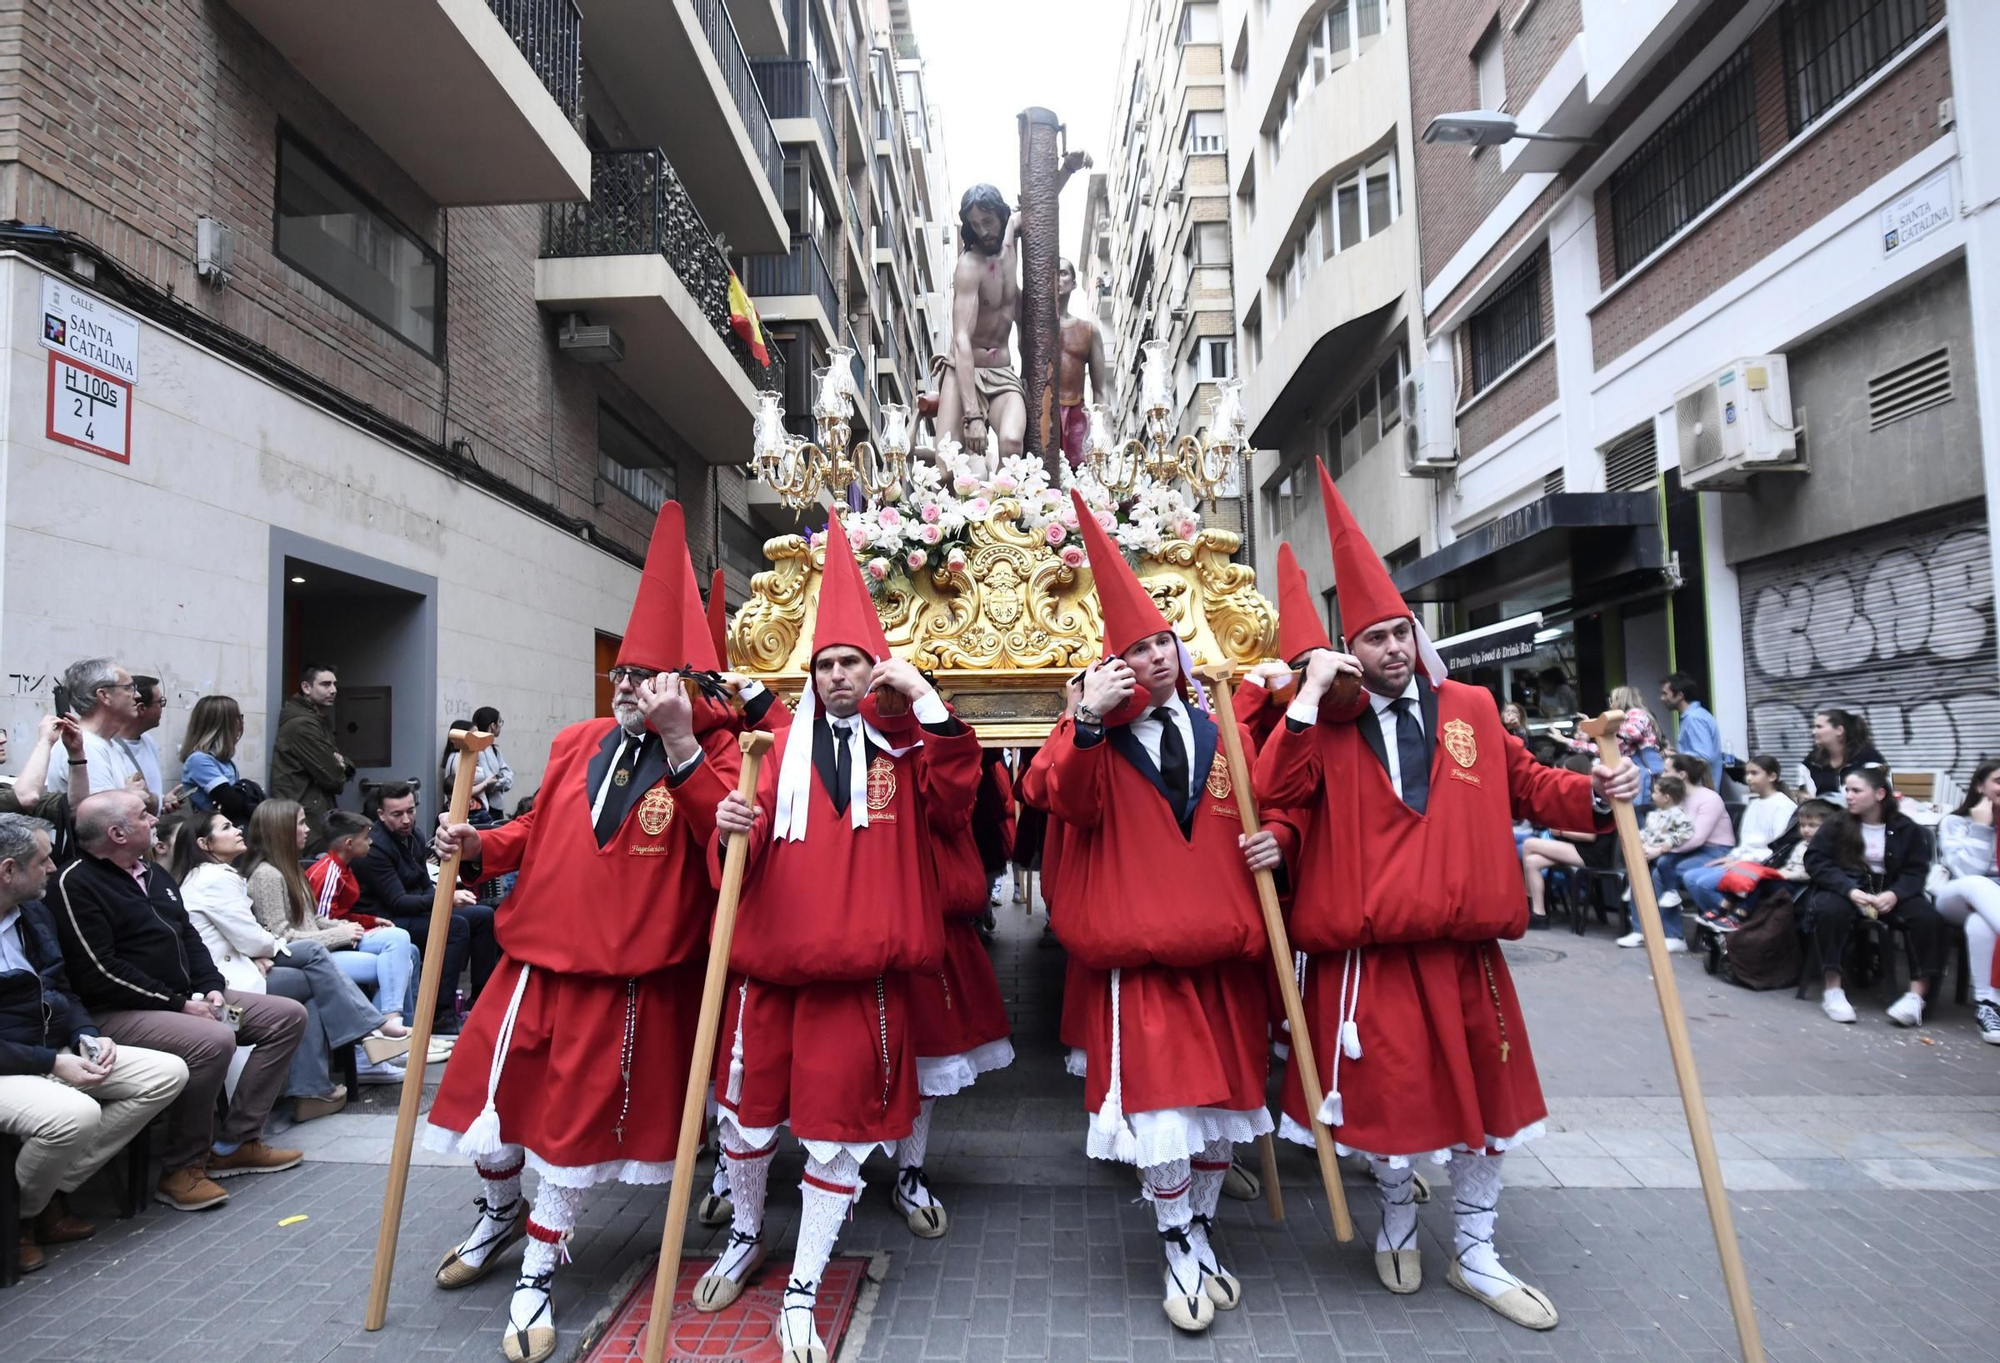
(1405,881)
(1268,687)
(838,908)
(957,1017)
(1159,912)
(603,943)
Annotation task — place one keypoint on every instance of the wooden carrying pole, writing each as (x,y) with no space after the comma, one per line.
(695,1112)
(1604,729)
(1281,954)
(469,742)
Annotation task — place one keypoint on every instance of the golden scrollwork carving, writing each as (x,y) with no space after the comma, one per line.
(1002,633)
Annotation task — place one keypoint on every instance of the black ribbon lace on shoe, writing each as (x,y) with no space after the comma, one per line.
(538,1282)
(506,1213)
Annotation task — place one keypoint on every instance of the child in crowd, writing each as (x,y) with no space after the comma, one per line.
(1787,858)
(334,889)
(1668,826)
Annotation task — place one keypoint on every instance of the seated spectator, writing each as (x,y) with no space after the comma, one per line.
(29,793)
(396,884)
(105,700)
(1765,819)
(1557,851)
(1840,745)
(208,760)
(256,961)
(1711,838)
(71,1096)
(1972,896)
(139,965)
(1667,826)
(306,764)
(1870,860)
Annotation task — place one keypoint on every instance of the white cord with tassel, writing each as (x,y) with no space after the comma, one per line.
(483,1136)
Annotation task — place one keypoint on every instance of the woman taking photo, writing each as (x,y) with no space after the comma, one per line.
(1870,861)
(1840,745)
(381,962)
(1972,896)
(255,961)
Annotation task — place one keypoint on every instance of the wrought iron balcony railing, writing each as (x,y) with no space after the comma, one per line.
(638,206)
(743,92)
(550,35)
(801,270)
(792,90)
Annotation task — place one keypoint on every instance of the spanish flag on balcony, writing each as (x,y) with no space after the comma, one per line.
(744,322)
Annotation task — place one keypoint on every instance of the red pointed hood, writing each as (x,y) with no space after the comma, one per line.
(1129,612)
(699,646)
(718,619)
(1361,581)
(846,613)
(1300,629)
(653,635)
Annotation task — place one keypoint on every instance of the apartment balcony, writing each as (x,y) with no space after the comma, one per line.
(761,25)
(639,258)
(480,101)
(857,231)
(797,103)
(795,287)
(678,74)
(889,360)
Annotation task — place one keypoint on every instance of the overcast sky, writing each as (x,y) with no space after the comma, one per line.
(987,62)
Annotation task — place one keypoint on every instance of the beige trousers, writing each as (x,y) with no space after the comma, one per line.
(68,1133)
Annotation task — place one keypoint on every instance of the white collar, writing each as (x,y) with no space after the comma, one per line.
(795,771)
(1382,703)
(1173,705)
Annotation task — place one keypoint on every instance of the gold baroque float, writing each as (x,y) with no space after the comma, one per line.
(1003,634)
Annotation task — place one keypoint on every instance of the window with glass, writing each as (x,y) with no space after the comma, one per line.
(742,546)
(1200,23)
(1218,359)
(1373,410)
(1489,74)
(1831,46)
(328,231)
(1704,149)
(1211,243)
(1204,131)
(1507,326)
(633,464)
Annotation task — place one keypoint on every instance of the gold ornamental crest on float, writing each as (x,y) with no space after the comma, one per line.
(1002,633)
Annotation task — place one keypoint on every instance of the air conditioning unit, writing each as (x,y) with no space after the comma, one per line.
(1430,419)
(589,344)
(1736,423)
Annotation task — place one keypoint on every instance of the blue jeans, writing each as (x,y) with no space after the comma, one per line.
(385,964)
(1703,885)
(1667,876)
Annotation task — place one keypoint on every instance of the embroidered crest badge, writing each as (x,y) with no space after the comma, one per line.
(881,784)
(1218,778)
(1459,742)
(656,811)
(619,778)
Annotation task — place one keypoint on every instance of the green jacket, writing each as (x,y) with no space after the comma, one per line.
(305,766)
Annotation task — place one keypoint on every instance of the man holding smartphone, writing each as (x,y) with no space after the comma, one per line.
(71,1096)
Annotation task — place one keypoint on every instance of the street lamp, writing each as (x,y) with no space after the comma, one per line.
(1487,128)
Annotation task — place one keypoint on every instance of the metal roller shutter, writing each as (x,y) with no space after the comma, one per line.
(1896,625)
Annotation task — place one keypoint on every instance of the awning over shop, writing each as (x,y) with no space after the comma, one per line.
(1608,541)
(1505,642)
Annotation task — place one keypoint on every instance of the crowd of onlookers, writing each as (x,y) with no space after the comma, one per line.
(205,951)
(1821,869)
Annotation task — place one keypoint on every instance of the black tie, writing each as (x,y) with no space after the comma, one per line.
(1173,760)
(617,799)
(1413,758)
(843,767)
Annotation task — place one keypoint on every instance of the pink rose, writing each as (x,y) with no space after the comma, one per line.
(964,484)
(1073,556)
(915,560)
(930,512)
(929,534)
(955,560)
(976,507)
(889,518)
(878,568)
(1186,529)
(1108,521)
(1056,533)
(1003,484)
(1068,517)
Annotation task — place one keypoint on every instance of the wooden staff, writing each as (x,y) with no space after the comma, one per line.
(469,742)
(1274,1196)
(1281,958)
(694,1113)
(1605,730)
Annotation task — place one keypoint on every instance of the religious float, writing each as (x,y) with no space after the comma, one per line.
(975,563)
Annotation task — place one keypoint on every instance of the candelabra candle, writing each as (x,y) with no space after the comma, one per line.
(829,394)
(768,433)
(895,433)
(840,364)
(1155,383)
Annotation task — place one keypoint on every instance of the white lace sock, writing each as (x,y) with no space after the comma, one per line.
(910,1151)
(1399,1206)
(500,1191)
(748,1171)
(1205,1174)
(827,1193)
(719,1185)
(1475,1199)
(1167,1187)
(550,1225)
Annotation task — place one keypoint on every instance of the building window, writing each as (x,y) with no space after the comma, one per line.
(1831,46)
(329,232)
(1204,131)
(633,464)
(1217,359)
(1508,326)
(742,547)
(1369,414)
(1286,496)
(1211,243)
(1199,23)
(1489,72)
(1704,148)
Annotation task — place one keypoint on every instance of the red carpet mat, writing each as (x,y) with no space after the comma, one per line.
(747,1332)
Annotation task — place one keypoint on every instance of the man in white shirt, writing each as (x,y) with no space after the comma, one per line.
(138,739)
(106,702)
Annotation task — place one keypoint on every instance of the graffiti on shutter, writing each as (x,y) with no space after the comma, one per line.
(1897,626)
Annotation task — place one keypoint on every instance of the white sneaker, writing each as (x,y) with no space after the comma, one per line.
(1671,899)
(1632,939)
(389,1072)
(1908,1011)
(1836,1006)
(1676,944)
